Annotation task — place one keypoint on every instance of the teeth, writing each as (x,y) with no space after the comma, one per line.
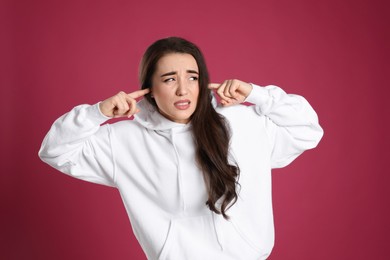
(182,103)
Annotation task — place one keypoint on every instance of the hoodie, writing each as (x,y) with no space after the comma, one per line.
(151,161)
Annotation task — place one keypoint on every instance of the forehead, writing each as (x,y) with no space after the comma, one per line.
(176,62)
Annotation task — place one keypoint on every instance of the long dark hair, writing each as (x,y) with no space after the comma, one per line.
(210,130)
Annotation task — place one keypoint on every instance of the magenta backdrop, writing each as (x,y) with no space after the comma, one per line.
(331,203)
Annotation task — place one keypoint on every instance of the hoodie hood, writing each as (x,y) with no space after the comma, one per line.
(150,118)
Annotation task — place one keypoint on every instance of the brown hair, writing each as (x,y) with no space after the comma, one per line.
(209,129)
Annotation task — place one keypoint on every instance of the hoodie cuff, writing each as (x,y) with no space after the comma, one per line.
(96,115)
(259,95)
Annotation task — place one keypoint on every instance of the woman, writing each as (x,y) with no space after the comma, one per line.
(194,177)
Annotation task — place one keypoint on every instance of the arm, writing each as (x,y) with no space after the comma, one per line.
(291,123)
(78,145)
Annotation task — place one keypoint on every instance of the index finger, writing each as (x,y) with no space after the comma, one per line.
(139,93)
(214,85)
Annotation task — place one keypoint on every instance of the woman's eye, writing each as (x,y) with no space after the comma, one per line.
(194,78)
(169,80)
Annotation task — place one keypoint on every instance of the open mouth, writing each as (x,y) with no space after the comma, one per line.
(182,104)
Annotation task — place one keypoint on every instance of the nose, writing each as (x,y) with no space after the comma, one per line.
(181,88)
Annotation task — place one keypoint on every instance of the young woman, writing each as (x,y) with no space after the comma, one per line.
(194,176)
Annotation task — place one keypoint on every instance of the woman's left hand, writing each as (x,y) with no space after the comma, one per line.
(232,91)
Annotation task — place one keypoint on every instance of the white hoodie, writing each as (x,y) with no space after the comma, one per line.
(151,161)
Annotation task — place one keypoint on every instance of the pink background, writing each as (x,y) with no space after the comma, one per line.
(331,203)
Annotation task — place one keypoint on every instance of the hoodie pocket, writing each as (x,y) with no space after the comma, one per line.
(207,238)
(191,238)
(235,243)
(168,242)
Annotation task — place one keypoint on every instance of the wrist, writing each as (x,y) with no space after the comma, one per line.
(248,89)
(101,110)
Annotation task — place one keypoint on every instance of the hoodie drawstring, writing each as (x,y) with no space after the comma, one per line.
(179,174)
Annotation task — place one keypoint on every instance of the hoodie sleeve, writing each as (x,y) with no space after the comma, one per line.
(291,123)
(78,146)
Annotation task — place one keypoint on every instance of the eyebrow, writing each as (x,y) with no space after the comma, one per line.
(174,72)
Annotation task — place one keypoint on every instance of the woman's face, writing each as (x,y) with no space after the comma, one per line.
(176,87)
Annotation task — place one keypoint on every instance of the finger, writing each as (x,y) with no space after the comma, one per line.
(221,91)
(133,107)
(226,103)
(130,104)
(214,85)
(139,93)
(233,90)
(120,106)
(124,105)
(227,88)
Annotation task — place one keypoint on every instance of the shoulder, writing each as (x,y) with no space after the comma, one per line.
(243,119)
(238,112)
(125,127)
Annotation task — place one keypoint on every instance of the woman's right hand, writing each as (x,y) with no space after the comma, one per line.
(122,104)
